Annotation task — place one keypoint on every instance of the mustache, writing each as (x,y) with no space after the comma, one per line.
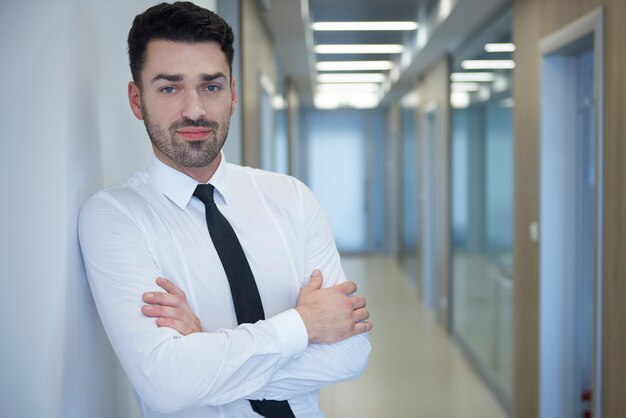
(186,123)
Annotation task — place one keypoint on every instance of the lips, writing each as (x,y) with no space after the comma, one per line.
(194,134)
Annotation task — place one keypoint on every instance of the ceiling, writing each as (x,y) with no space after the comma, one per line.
(366,11)
(290,23)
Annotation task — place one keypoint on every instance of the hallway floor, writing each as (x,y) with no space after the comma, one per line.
(415,369)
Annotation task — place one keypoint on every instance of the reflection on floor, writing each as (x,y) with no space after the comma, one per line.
(415,370)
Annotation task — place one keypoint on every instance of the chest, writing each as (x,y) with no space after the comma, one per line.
(181,247)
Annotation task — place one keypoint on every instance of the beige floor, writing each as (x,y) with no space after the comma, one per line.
(415,370)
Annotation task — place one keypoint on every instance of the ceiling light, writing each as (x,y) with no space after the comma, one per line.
(353,65)
(484,93)
(349,87)
(351,78)
(459,99)
(501,47)
(410,100)
(465,86)
(279,102)
(359,49)
(488,64)
(501,83)
(366,26)
(475,77)
(355,100)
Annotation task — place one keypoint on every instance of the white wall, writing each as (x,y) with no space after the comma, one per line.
(67,131)
(33,249)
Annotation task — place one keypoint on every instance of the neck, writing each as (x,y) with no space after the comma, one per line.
(200,174)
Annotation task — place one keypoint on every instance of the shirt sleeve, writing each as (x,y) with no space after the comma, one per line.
(321,364)
(171,372)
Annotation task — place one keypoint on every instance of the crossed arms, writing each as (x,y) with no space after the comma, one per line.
(330,315)
(174,366)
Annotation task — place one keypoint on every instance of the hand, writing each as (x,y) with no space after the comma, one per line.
(332,314)
(170,308)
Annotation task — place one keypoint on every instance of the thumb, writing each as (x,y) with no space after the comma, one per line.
(315,282)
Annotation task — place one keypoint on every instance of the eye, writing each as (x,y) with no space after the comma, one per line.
(168,90)
(213,88)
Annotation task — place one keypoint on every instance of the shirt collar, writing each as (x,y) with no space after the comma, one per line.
(179,187)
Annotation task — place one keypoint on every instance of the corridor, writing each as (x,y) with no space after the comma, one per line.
(480,142)
(415,369)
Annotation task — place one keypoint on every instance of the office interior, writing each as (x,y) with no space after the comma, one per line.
(473,175)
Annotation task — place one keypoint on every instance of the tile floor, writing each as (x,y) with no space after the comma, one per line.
(415,370)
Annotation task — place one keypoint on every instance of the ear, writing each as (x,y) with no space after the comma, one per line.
(233,91)
(134,97)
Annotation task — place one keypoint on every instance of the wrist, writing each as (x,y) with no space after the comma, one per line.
(305,314)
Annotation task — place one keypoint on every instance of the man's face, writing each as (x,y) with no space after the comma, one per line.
(186,100)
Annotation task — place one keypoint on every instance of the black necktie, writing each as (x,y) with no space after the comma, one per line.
(245,294)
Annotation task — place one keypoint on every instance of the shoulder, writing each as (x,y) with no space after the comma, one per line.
(280,193)
(269,183)
(114,201)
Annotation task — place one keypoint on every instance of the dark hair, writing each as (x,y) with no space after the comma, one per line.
(178,22)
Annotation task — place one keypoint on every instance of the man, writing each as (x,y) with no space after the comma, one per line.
(199,359)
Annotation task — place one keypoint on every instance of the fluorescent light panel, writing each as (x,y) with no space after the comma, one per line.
(474,77)
(354,65)
(355,100)
(500,47)
(488,64)
(363,26)
(464,86)
(351,78)
(359,49)
(459,99)
(348,87)
(410,100)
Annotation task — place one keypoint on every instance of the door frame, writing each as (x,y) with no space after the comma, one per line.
(591,24)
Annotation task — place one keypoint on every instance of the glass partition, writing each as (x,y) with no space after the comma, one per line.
(482,202)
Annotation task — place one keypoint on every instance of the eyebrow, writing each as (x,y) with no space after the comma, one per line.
(211,77)
(174,78)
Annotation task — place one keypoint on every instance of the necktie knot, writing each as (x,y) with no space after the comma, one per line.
(204,192)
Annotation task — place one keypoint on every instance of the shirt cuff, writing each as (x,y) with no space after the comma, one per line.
(291,332)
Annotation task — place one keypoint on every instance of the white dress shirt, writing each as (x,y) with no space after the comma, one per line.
(150,225)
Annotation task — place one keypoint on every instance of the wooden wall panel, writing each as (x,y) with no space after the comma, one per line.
(534,19)
(526,198)
(614,353)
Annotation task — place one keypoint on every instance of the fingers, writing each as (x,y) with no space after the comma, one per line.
(361,327)
(347,287)
(161,298)
(170,308)
(158,311)
(315,282)
(180,326)
(174,296)
(170,287)
(180,319)
(358,302)
(361,315)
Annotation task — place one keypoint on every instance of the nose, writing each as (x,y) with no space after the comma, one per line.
(193,107)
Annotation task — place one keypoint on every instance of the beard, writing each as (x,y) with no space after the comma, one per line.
(183,153)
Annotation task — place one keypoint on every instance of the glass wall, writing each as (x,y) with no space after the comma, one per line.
(482,202)
(337,172)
